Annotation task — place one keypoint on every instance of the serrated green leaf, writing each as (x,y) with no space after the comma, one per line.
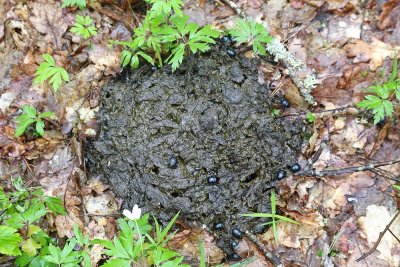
(48,69)
(117,262)
(40,127)
(9,241)
(78,3)
(252,33)
(30,247)
(55,205)
(46,114)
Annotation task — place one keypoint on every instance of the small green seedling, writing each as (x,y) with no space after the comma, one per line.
(310,117)
(83,27)
(275,112)
(188,38)
(275,218)
(252,33)
(29,116)
(364,73)
(72,3)
(397,187)
(49,70)
(160,7)
(379,101)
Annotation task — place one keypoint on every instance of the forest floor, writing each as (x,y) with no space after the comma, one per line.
(348,44)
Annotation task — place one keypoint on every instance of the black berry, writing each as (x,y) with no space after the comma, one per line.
(284,103)
(212,180)
(234,243)
(230,52)
(295,167)
(237,233)
(173,162)
(154,68)
(281,174)
(234,257)
(219,226)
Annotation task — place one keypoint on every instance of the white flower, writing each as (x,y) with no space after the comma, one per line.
(134,215)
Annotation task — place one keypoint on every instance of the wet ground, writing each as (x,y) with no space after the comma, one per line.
(201,140)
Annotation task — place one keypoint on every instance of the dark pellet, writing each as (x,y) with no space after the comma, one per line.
(237,233)
(173,162)
(281,174)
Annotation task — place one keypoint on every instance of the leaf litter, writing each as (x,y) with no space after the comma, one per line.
(348,43)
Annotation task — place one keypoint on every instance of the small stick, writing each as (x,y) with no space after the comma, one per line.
(379,239)
(332,172)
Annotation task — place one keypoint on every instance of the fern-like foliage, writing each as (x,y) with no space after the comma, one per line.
(379,101)
(72,3)
(252,33)
(83,27)
(48,70)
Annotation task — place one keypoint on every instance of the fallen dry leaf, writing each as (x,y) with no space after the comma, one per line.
(374,53)
(47,18)
(372,224)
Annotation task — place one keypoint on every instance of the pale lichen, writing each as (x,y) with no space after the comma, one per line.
(294,66)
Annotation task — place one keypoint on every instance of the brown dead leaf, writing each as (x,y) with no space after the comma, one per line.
(390,13)
(186,243)
(341,6)
(380,138)
(372,224)
(105,59)
(248,250)
(47,18)
(374,53)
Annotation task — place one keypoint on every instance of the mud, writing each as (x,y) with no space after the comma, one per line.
(212,116)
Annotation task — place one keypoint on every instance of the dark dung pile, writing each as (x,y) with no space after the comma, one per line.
(201,141)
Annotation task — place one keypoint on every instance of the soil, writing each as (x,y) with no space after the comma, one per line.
(214,118)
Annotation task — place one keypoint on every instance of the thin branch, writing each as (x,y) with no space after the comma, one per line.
(372,250)
(333,172)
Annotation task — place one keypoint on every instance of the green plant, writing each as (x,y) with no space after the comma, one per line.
(252,33)
(78,3)
(380,99)
(275,218)
(275,112)
(166,33)
(21,213)
(310,117)
(29,116)
(134,245)
(83,27)
(48,70)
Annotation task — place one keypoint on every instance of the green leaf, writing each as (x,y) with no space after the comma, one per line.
(164,7)
(30,247)
(252,33)
(83,27)
(78,3)
(397,187)
(117,263)
(176,57)
(55,205)
(48,70)
(22,127)
(310,117)
(40,127)
(9,241)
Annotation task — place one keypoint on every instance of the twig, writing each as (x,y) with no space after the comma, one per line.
(372,250)
(322,173)
(254,238)
(390,231)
